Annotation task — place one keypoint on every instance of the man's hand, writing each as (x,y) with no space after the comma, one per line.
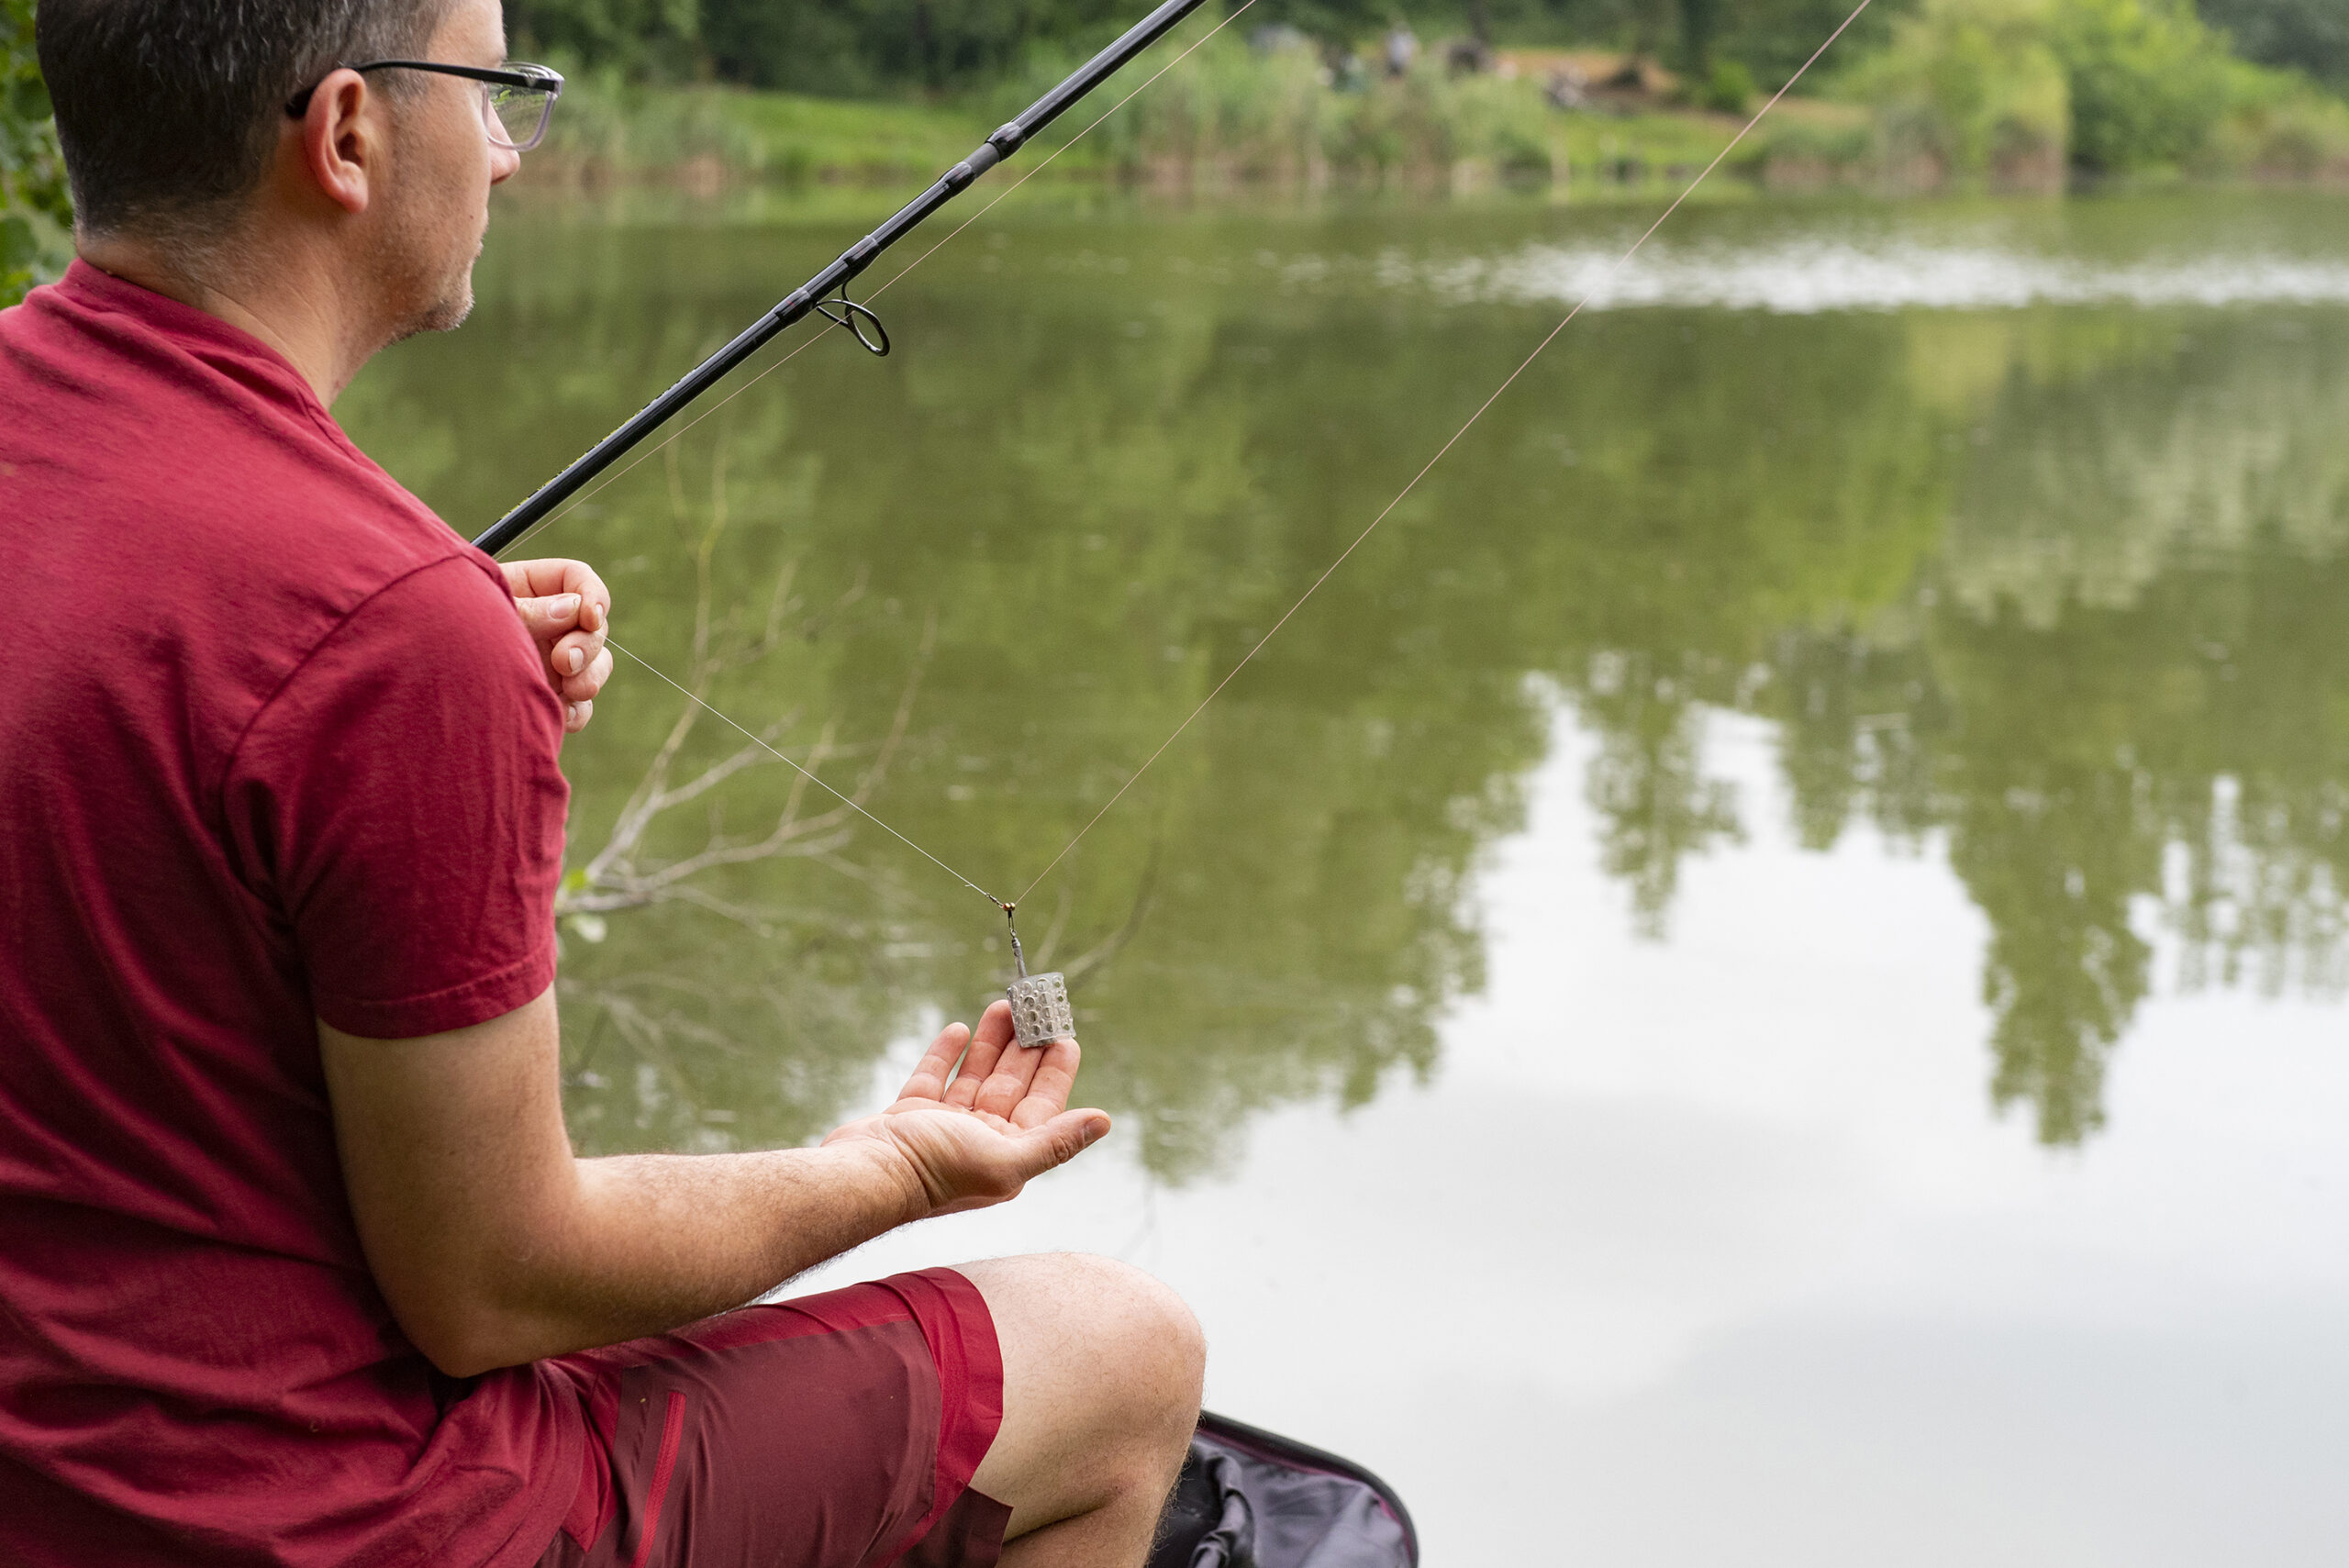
(569,613)
(975,1137)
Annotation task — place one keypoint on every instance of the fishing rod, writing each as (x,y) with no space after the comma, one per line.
(826,293)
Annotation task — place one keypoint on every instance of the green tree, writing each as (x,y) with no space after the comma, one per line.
(1972,86)
(35,212)
(2148,81)
(646,36)
(2297,34)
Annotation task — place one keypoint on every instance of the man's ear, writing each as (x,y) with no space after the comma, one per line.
(341,140)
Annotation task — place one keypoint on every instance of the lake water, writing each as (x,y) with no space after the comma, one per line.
(1756,980)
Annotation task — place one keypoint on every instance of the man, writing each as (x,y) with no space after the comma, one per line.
(297,1266)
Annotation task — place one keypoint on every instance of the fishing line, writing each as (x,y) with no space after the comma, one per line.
(761,742)
(1589,295)
(1039,167)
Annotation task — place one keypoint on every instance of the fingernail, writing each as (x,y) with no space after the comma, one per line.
(566,604)
(578,660)
(571,712)
(1094,1133)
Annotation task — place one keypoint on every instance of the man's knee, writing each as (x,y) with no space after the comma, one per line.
(1154,1331)
(1102,1371)
(1090,1334)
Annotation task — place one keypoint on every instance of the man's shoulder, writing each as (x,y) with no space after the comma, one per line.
(163,443)
(172,498)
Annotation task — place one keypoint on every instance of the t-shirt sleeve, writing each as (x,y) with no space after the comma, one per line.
(400,797)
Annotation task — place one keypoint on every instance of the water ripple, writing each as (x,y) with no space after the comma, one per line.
(1809,277)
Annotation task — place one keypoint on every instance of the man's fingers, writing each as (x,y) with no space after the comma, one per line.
(987,1043)
(549,616)
(1060,1140)
(1049,1089)
(576,652)
(568,612)
(1007,1084)
(930,1074)
(978,1064)
(995,1024)
(531,579)
(588,683)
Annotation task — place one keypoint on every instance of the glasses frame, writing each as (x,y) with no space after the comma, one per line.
(544,79)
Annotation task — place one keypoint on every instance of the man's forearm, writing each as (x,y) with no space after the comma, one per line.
(656,1240)
(495,1245)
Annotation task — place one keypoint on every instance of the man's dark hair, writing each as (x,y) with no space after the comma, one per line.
(168,109)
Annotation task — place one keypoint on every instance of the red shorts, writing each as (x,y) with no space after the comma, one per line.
(838,1430)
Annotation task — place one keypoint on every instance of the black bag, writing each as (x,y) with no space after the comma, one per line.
(1248,1499)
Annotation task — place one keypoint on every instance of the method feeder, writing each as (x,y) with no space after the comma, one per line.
(1039,1004)
(1040,1009)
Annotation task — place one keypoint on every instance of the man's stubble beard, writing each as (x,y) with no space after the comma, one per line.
(424,270)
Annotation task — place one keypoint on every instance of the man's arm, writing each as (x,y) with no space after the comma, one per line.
(495,1245)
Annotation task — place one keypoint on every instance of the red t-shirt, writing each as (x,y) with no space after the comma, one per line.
(273,745)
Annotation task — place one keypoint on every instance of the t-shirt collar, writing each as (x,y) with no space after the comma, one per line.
(92,288)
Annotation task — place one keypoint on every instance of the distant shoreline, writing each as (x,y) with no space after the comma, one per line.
(1434,132)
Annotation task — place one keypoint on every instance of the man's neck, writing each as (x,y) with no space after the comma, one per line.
(298,316)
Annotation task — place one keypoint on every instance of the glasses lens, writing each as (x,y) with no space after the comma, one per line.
(518,116)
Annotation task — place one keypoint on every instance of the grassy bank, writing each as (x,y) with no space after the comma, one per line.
(1229,116)
(2031,93)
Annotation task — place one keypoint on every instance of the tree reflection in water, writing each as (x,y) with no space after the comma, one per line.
(2056,596)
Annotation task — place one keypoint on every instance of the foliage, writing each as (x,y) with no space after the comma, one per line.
(641,36)
(1237,110)
(2279,127)
(36,211)
(2017,91)
(607,125)
(2298,35)
(848,47)
(1729,90)
(1773,38)
(2013,92)
(2149,83)
(862,46)
(1974,88)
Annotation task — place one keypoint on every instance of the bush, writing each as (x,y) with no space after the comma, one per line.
(2303,35)
(1235,110)
(1969,89)
(2278,125)
(1811,152)
(1244,112)
(2149,83)
(1729,90)
(2017,90)
(36,214)
(606,126)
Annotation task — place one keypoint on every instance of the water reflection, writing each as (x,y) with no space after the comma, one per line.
(2051,593)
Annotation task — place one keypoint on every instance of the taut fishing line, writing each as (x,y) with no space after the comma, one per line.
(1040,1003)
(760,741)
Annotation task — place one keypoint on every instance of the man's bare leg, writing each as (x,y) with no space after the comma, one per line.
(1101,1373)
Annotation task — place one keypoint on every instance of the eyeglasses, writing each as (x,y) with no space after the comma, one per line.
(516,99)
